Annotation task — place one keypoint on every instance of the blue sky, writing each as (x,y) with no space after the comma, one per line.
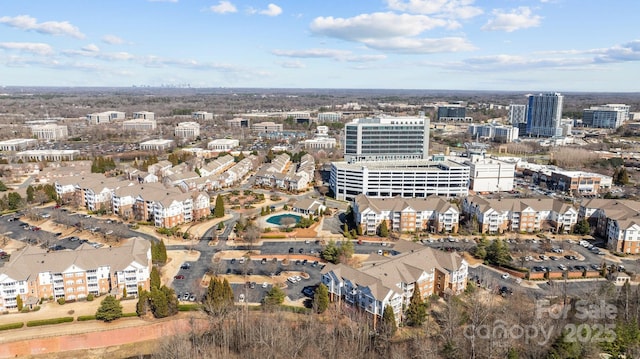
(511,45)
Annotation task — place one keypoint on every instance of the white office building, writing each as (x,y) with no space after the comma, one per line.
(408,178)
(386,139)
(329,117)
(202,116)
(490,174)
(144,115)
(187,130)
(139,125)
(157,145)
(605,116)
(50,132)
(494,132)
(267,127)
(18,144)
(321,140)
(223,144)
(105,117)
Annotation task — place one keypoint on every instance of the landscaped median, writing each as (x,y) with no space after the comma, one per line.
(17,325)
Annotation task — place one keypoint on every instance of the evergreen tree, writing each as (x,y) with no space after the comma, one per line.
(171,299)
(275,296)
(162,252)
(3,187)
(14,200)
(30,192)
(582,227)
(321,298)
(19,302)
(331,253)
(347,249)
(109,310)
(143,302)
(154,278)
(383,230)
(159,305)
(388,326)
(498,253)
(219,297)
(218,211)
(417,310)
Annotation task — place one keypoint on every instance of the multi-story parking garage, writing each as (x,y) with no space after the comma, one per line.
(416,178)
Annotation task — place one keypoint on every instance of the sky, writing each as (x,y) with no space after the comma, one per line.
(494,45)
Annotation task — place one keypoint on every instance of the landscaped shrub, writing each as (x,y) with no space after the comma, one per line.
(61,301)
(126,315)
(83,318)
(11,326)
(89,297)
(37,323)
(189,307)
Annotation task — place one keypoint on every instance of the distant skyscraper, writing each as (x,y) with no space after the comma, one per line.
(517,114)
(544,112)
(387,138)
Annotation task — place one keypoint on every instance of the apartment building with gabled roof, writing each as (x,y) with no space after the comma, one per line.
(616,219)
(520,214)
(33,273)
(217,166)
(406,215)
(391,281)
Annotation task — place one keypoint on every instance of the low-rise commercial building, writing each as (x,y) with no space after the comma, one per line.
(223,144)
(202,116)
(157,145)
(139,125)
(267,127)
(51,132)
(187,130)
(48,155)
(105,117)
(144,115)
(18,144)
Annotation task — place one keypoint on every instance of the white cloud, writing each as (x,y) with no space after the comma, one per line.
(272,10)
(420,45)
(112,40)
(376,25)
(223,7)
(291,64)
(338,55)
(455,9)
(37,48)
(26,22)
(620,53)
(91,48)
(516,19)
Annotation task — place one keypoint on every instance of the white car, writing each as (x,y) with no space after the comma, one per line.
(265,284)
(505,276)
(241,298)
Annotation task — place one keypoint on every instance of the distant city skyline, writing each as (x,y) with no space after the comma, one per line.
(499,45)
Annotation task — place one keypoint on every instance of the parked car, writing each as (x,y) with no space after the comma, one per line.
(241,298)
(180,276)
(505,276)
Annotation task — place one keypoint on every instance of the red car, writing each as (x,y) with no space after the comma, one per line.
(179,277)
